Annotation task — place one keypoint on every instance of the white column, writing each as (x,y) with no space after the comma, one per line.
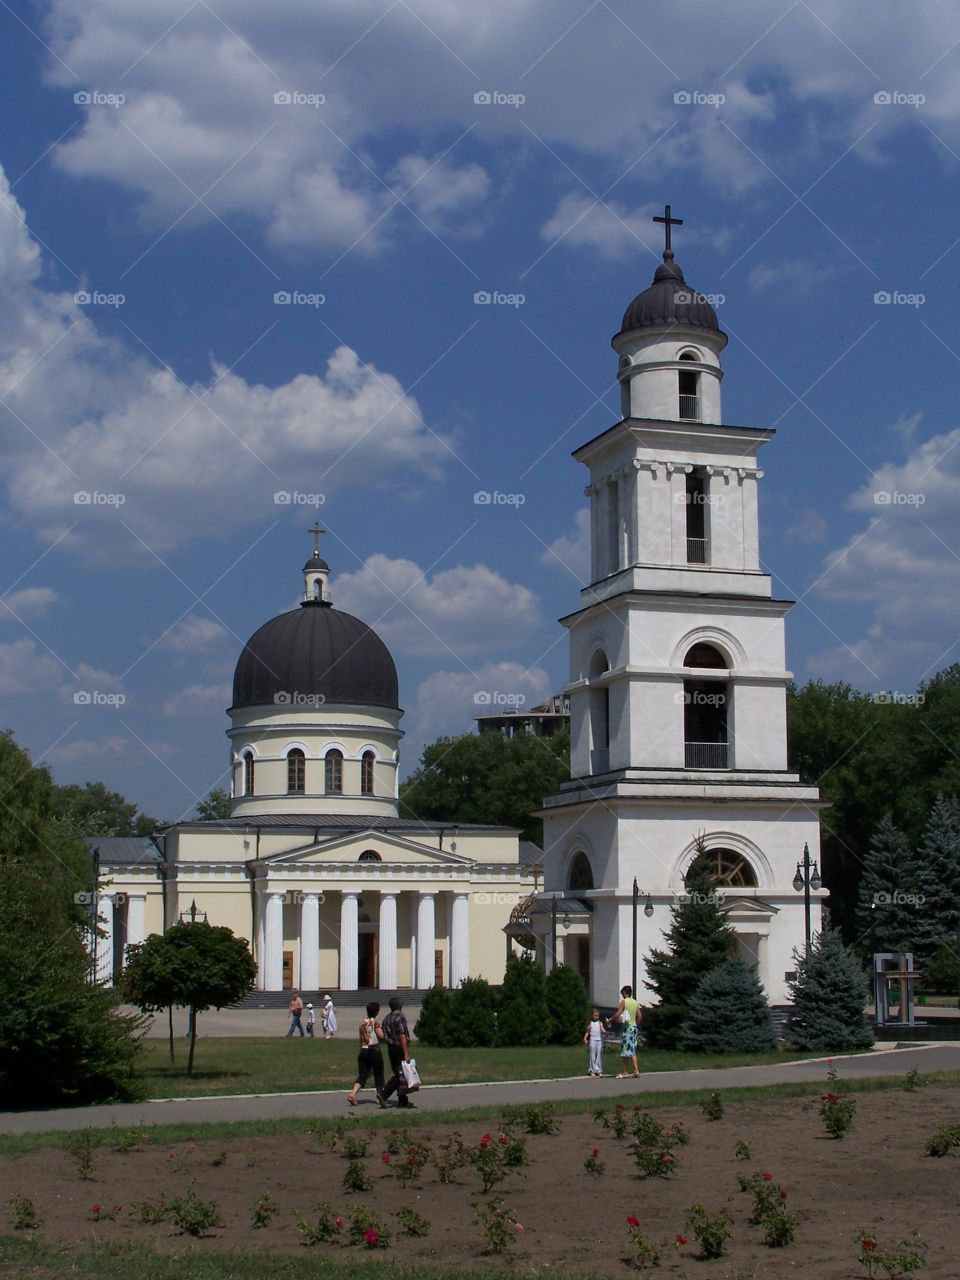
(104,941)
(460,939)
(310,942)
(426,939)
(388,941)
(349,941)
(136,919)
(261,909)
(273,943)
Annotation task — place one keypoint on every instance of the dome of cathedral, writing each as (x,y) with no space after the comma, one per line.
(315,652)
(669,303)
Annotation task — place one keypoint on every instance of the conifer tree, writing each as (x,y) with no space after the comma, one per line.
(433,1024)
(470,1015)
(938,876)
(524,1017)
(698,939)
(567,1002)
(888,914)
(729,1013)
(829,994)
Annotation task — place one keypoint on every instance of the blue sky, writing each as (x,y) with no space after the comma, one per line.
(814,158)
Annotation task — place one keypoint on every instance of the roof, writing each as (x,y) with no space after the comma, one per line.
(316,563)
(531,854)
(124,850)
(341,822)
(313,655)
(670,303)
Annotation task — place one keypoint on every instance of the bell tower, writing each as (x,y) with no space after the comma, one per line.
(677,652)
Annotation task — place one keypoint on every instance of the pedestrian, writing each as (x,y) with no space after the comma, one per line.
(369,1059)
(295,1009)
(629,1017)
(329,1019)
(595,1037)
(311,1020)
(396,1033)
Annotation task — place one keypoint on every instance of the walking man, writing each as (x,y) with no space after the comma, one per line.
(295,1009)
(397,1035)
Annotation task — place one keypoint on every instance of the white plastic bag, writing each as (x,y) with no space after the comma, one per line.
(411,1075)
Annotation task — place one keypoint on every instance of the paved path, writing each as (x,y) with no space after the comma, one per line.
(216,1023)
(882,1062)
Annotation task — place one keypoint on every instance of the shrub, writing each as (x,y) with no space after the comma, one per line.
(105,1212)
(536,1119)
(645,1252)
(328,1225)
(264,1209)
(409,1164)
(566,996)
(497,1224)
(728,1013)
(219,1159)
(194,1216)
(25,1216)
(149,1212)
(743,1151)
(769,1209)
(493,1159)
(449,1156)
(712,1230)
(355,1147)
(431,1026)
(80,1147)
(713,1107)
(470,1015)
(128,1139)
(905,1257)
(357,1177)
(366,1230)
(412,1223)
(618,1121)
(829,994)
(655,1146)
(943,1140)
(838,1111)
(524,1018)
(594,1164)
(397,1140)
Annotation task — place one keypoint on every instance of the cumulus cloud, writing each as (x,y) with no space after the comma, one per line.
(904,567)
(460,611)
(793,277)
(195,634)
(30,602)
(440,189)
(571,551)
(201,700)
(100,444)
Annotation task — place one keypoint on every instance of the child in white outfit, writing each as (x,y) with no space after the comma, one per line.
(594,1037)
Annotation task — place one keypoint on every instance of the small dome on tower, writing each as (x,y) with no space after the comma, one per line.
(669,303)
(316,564)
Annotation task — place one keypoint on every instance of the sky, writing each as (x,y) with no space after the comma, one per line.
(244,252)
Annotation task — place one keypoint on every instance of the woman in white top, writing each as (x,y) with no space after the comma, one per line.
(329,1019)
(370,1058)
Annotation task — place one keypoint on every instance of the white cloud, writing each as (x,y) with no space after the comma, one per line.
(437,189)
(791,277)
(195,634)
(571,551)
(201,700)
(26,668)
(30,602)
(809,526)
(460,611)
(904,568)
(98,437)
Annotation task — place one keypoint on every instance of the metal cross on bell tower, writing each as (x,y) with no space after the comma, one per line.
(668,222)
(316,530)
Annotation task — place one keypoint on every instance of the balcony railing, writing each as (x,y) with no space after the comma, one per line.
(600,760)
(698,551)
(707,755)
(690,408)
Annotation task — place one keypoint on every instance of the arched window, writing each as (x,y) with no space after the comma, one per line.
(705,655)
(296,772)
(333,773)
(248,773)
(724,867)
(367,762)
(370,855)
(689,389)
(317,589)
(581,874)
(599,704)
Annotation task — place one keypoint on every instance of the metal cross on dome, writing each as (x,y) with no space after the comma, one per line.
(668,222)
(316,531)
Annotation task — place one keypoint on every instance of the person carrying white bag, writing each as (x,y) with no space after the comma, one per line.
(396,1033)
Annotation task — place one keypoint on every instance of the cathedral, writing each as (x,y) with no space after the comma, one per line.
(677,701)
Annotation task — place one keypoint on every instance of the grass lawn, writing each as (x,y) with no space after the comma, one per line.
(276,1064)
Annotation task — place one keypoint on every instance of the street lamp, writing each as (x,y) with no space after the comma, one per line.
(807,878)
(648,912)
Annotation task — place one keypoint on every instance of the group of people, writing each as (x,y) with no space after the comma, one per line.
(299,1012)
(627,1017)
(395,1034)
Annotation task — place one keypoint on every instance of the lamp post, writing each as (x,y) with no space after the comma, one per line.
(648,912)
(807,878)
(553,932)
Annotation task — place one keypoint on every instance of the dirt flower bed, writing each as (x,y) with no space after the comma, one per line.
(425,1199)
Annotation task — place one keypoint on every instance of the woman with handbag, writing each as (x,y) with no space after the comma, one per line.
(629,1016)
(370,1058)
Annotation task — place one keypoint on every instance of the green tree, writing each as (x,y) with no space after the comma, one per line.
(197,966)
(728,1013)
(487,778)
(524,1017)
(471,1015)
(215,806)
(938,876)
(63,1040)
(829,994)
(92,810)
(148,980)
(887,910)
(432,1025)
(698,940)
(569,1007)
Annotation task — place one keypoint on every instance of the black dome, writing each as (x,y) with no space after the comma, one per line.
(316,651)
(669,303)
(315,562)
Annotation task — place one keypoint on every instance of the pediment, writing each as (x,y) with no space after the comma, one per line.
(749,908)
(346,847)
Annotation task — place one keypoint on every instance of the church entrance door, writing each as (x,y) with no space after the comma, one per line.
(288,971)
(367,960)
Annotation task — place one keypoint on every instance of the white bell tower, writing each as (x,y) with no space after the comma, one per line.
(677,662)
